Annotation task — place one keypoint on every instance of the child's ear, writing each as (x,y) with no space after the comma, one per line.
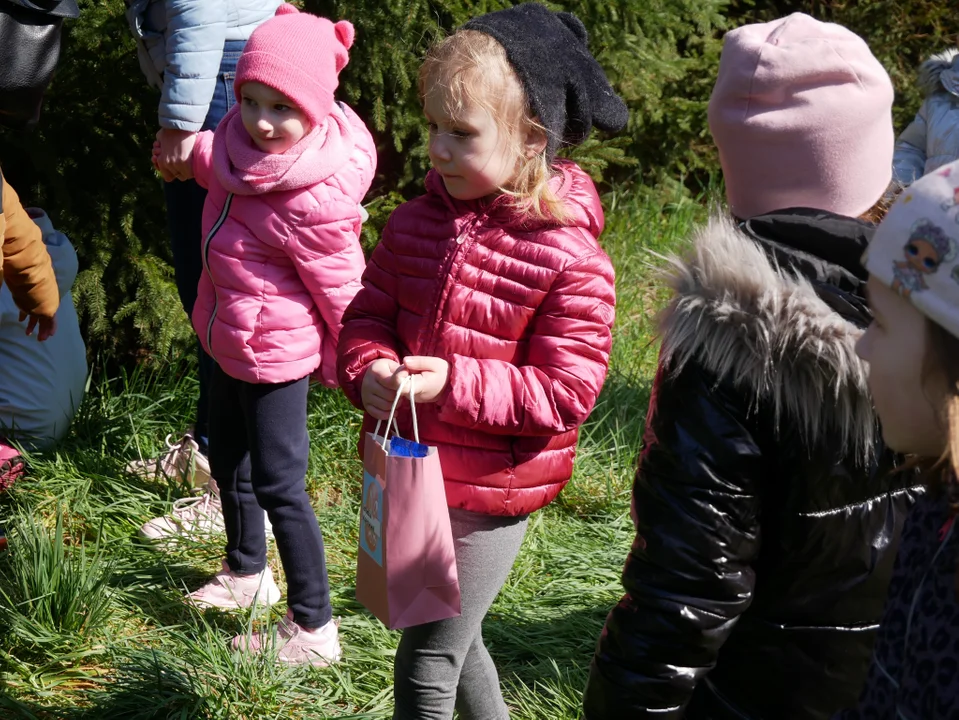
(535,142)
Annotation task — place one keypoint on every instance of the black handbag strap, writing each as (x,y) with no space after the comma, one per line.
(53,8)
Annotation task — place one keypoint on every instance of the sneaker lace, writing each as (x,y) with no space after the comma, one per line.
(193,510)
(172,460)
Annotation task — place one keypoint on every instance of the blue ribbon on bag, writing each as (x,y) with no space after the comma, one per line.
(401,447)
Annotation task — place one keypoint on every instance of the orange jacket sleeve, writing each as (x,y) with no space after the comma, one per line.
(27,269)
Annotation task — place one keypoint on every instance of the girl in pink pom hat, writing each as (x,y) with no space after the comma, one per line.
(286,171)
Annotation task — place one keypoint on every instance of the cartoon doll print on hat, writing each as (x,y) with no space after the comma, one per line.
(926,249)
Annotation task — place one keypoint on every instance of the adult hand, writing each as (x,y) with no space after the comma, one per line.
(176,153)
(432,376)
(379,387)
(48,325)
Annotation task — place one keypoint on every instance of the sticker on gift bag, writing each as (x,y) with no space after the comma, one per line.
(371,525)
(399,447)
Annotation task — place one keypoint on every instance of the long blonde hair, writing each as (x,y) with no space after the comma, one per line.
(472,69)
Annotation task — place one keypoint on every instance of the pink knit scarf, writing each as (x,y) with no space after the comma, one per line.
(244,169)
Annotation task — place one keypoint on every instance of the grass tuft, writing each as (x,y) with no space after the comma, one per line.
(55,594)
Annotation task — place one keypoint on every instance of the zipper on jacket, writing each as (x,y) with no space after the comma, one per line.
(206,267)
(468,229)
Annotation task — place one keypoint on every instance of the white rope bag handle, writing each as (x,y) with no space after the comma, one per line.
(391,421)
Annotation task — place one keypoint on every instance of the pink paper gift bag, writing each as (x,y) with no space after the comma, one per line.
(406,564)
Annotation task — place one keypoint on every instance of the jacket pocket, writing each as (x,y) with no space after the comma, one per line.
(227,79)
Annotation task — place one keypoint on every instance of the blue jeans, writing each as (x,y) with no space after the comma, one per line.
(184,203)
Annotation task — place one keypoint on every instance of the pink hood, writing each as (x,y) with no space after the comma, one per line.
(281,252)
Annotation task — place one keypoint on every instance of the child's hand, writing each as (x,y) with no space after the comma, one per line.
(48,325)
(379,387)
(432,376)
(155,160)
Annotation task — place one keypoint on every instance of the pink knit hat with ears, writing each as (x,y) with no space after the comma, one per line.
(802,115)
(300,55)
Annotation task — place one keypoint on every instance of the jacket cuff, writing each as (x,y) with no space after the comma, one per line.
(176,124)
(456,404)
(354,389)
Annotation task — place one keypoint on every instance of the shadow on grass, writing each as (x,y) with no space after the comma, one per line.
(11,709)
(147,689)
(150,687)
(104,500)
(527,649)
(608,447)
(546,660)
(154,585)
(620,414)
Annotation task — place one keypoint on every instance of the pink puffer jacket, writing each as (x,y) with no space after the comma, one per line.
(281,252)
(523,312)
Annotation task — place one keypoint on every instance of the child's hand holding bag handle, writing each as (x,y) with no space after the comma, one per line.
(406,564)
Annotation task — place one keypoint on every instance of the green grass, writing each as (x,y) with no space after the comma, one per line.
(92,623)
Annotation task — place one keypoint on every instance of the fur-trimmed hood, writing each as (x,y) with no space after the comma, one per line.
(931,72)
(747,319)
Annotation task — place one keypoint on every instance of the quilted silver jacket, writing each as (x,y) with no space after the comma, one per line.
(932,139)
(180,46)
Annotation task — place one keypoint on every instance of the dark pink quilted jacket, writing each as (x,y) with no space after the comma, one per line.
(523,312)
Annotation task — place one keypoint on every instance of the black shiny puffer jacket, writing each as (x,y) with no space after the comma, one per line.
(766,509)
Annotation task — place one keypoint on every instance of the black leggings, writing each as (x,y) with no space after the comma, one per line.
(268,423)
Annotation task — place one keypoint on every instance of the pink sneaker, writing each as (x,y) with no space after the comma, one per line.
(12,466)
(229,591)
(297,645)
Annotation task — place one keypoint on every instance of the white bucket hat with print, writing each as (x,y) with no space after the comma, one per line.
(915,250)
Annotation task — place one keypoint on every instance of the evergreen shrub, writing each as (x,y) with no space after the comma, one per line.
(88,163)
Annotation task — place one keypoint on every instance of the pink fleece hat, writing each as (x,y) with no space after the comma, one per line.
(300,55)
(802,115)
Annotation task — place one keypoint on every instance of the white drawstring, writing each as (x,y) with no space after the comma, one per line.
(391,421)
(416,427)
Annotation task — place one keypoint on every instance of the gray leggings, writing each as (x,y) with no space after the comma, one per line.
(445,665)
